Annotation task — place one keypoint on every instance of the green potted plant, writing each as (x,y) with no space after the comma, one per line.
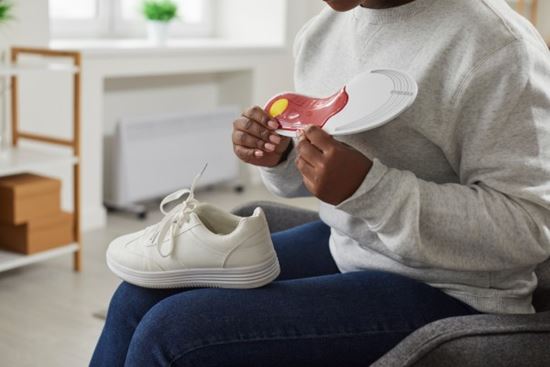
(5,10)
(159,15)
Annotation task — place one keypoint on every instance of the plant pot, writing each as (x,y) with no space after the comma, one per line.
(157,31)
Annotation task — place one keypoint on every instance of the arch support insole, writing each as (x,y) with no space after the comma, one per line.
(369,100)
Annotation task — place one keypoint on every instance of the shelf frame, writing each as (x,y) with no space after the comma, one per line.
(13,260)
(521,6)
(73,143)
(27,159)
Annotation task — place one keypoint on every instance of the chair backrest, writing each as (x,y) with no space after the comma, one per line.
(541,298)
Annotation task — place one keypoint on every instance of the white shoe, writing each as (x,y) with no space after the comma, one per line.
(197,245)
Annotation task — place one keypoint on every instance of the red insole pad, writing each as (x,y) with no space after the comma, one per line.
(295,111)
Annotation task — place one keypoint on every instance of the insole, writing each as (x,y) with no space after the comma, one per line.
(369,100)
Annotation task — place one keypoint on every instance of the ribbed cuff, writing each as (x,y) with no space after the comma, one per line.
(377,171)
(283,166)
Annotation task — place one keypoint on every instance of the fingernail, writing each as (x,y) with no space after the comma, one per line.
(269,147)
(272,124)
(275,139)
(259,153)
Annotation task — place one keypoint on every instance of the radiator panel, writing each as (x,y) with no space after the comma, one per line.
(153,156)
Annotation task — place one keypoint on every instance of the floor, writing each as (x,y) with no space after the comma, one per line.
(46,310)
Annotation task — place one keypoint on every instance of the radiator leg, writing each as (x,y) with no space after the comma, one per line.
(140,211)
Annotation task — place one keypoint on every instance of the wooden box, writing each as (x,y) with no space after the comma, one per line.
(38,235)
(25,197)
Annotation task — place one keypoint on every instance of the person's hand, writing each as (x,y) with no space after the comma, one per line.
(255,140)
(332,171)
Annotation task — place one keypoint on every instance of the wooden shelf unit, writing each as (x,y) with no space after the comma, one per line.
(22,159)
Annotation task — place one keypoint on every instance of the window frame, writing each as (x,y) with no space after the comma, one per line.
(109,24)
(82,28)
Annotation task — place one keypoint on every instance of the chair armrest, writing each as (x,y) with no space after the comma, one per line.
(279,216)
(480,340)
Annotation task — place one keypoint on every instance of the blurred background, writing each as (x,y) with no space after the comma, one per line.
(107,106)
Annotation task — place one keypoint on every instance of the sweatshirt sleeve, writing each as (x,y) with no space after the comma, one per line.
(498,216)
(285,180)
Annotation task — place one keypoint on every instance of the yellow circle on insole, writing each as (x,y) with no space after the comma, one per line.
(278,107)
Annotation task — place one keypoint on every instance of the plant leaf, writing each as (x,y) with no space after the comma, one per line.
(160,10)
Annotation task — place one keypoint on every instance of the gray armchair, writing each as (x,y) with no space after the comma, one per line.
(481,340)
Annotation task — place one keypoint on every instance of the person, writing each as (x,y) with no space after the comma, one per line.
(442,212)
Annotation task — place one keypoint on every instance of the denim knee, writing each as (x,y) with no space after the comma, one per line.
(130,303)
(171,328)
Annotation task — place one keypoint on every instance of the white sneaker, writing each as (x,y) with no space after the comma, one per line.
(197,245)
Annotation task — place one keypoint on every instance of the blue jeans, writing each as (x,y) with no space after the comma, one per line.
(313,315)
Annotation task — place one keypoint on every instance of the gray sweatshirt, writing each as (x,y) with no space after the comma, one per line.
(459,193)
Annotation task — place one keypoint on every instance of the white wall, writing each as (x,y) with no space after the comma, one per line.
(251,20)
(544,18)
(30,26)
(139,96)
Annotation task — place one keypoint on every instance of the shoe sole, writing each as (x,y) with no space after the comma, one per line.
(242,278)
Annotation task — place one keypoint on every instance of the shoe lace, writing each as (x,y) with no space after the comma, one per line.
(173,219)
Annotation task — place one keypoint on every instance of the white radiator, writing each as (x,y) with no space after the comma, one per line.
(149,157)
